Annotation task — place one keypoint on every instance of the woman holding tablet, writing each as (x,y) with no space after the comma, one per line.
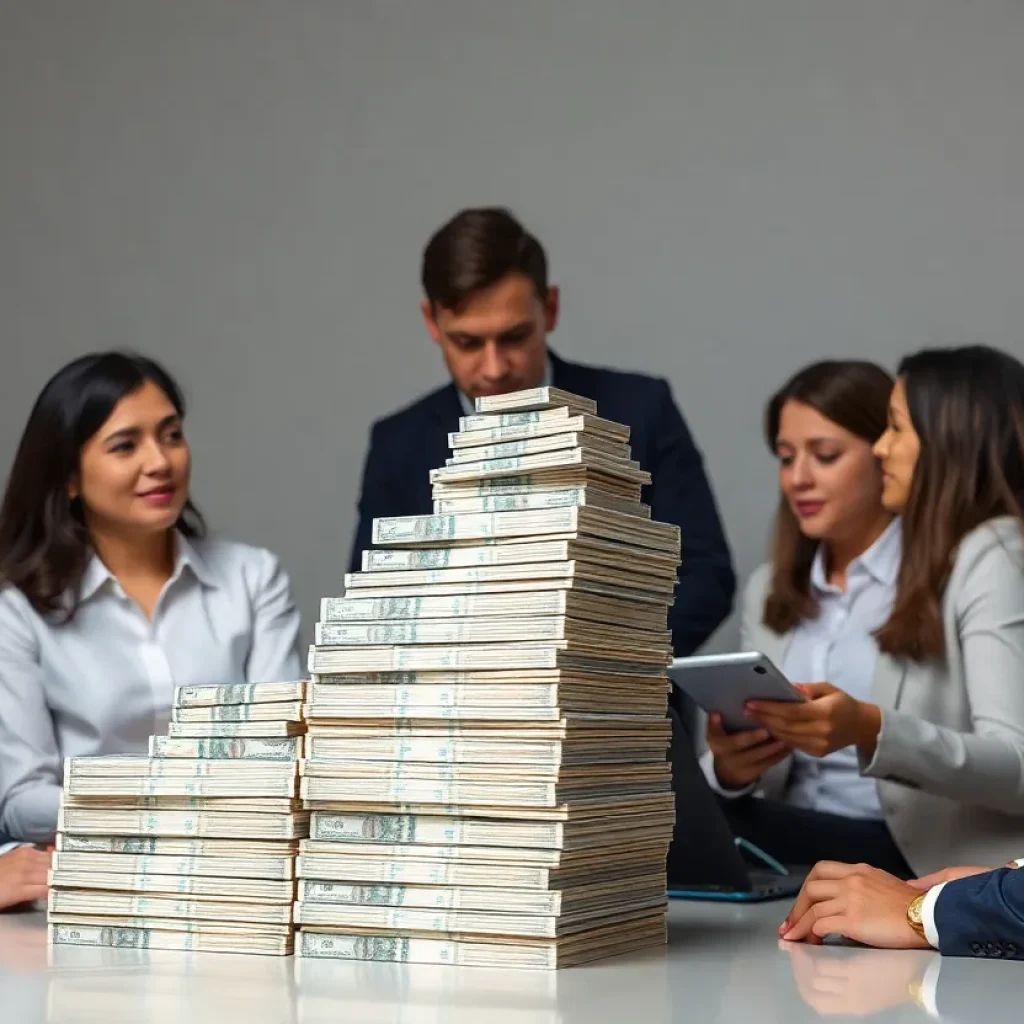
(814,610)
(110,593)
(940,736)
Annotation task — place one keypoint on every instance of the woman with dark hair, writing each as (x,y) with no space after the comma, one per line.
(942,736)
(814,609)
(110,591)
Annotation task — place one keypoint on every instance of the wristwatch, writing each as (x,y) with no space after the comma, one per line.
(914,918)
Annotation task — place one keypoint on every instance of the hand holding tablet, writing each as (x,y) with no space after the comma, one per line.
(723,684)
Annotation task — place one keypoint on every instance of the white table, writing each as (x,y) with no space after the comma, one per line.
(724,964)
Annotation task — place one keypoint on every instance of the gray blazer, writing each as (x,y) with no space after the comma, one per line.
(950,758)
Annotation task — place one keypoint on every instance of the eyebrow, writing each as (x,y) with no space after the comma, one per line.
(129,432)
(524,325)
(779,441)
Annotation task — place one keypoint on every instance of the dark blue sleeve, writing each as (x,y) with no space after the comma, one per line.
(379,495)
(682,495)
(983,916)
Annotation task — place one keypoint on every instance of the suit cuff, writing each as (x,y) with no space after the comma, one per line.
(931,933)
(707,764)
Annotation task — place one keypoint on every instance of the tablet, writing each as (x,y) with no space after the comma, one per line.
(723,683)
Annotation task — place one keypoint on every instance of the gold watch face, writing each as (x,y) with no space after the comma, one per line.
(914,910)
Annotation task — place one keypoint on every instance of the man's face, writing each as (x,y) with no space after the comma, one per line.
(497,341)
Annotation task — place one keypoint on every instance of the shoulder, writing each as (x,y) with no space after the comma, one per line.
(758,583)
(605,379)
(1004,533)
(410,416)
(989,559)
(232,562)
(19,621)
(998,541)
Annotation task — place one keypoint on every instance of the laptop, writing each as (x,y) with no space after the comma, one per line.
(706,861)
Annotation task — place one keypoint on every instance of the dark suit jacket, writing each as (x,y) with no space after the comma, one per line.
(404,448)
(983,916)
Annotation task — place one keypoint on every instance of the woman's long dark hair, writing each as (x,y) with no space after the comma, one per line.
(967,409)
(44,543)
(855,395)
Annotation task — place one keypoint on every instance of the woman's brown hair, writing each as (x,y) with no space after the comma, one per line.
(967,409)
(855,395)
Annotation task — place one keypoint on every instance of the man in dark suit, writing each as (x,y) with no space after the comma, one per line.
(489,307)
(964,911)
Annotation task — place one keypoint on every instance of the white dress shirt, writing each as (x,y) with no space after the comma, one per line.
(104,682)
(838,647)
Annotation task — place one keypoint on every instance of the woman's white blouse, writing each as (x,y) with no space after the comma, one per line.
(103,683)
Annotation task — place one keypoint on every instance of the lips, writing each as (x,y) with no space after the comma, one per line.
(807,509)
(159,496)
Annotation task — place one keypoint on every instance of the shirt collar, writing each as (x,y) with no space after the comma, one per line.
(881,561)
(187,557)
(468,407)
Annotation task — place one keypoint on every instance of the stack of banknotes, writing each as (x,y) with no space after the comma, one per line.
(485,763)
(192,847)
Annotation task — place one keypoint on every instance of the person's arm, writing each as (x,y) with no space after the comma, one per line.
(30,762)
(984,766)
(377,496)
(274,655)
(681,494)
(981,915)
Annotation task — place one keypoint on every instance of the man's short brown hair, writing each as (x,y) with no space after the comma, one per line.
(476,249)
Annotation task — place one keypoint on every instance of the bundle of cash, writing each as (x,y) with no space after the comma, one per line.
(485,763)
(192,847)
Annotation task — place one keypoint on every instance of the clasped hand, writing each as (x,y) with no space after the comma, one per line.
(828,720)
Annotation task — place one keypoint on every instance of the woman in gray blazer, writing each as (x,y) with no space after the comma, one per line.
(942,735)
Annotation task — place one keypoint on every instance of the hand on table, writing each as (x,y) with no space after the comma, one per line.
(856,901)
(742,757)
(23,876)
(828,720)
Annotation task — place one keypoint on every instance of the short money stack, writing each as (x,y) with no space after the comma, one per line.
(486,758)
(194,846)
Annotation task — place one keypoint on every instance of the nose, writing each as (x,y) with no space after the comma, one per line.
(155,462)
(802,476)
(495,364)
(881,447)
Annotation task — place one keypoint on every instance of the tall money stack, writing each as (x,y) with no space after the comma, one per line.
(486,758)
(192,847)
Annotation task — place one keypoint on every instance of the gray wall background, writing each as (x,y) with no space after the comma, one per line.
(727,189)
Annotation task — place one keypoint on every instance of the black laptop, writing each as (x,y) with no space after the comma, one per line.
(706,861)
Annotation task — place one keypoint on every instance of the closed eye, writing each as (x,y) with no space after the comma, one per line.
(516,337)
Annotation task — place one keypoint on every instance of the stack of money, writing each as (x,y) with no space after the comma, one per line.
(192,847)
(486,759)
